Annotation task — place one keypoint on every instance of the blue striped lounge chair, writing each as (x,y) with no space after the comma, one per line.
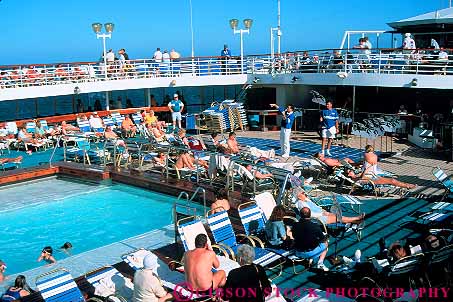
(82,150)
(31,127)
(117,118)
(224,235)
(447,182)
(58,286)
(108,122)
(108,282)
(254,222)
(137,118)
(85,127)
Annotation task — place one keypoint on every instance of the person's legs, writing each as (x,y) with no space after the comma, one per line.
(218,279)
(324,140)
(322,256)
(393,182)
(173,118)
(332,218)
(282,141)
(178,118)
(287,144)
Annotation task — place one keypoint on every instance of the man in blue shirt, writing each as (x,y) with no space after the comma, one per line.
(176,107)
(225,55)
(329,125)
(285,129)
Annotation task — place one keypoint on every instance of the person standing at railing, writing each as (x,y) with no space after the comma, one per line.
(225,55)
(157,55)
(329,124)
(174,55)
(288,118)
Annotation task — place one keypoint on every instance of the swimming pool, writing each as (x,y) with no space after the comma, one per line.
(53,211)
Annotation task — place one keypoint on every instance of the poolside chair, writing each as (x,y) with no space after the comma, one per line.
(440,265)
(117,118)
(59,286)
(447,182)
(10,165)
(85,127)
(224,235)
(30,126)
(83,151)
(109,282)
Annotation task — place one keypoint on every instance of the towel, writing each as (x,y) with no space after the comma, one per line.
(190,231)
(266,203)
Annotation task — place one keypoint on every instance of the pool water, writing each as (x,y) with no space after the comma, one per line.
(54,211)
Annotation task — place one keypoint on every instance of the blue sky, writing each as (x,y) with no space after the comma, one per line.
(43,31)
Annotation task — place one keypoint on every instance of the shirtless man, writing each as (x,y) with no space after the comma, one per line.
(198,264)
(233,143)
(334,162)
(109,134)
(221,202)
(257,173)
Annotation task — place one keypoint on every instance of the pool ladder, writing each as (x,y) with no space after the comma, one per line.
(189,206)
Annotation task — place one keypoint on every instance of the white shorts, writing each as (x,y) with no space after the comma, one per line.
(176,116)
(329,133)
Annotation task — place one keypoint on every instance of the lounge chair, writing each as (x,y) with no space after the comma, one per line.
(224,235)
(82,151)
(447,182)
(85,127)
(59,286)
(117,118)
(109,282)
(10,165)
(254,222)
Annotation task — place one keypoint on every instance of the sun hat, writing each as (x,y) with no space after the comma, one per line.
(407,34)
(175,95)
(150,262)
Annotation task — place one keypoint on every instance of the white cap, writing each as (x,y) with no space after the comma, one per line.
(150,262)
(407,34)
(175,95)
(95,113)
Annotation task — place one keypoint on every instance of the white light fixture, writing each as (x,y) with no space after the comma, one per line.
(247,24)
(256,80)
(294,79)
(414,82)
(76,90)
(97,28)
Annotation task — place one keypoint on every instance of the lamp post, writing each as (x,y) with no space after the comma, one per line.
(97,27)
(247,24)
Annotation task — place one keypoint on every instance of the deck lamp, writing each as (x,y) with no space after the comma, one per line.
(76,90)
(97,28)
(414,82)
(294,79)
(247,24)
(256,80)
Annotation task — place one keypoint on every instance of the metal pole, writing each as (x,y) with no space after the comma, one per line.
(272,43)
(105,55)
(191,28)
(241,31)
(107,101)
(278,31)
(353,103)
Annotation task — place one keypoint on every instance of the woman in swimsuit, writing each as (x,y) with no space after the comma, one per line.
(16,292)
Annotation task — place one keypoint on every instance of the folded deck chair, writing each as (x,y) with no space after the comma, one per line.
(224,235)
(59,286)
(447,182)
(266,202)
(109,282)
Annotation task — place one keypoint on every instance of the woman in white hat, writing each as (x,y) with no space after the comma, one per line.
(147,286)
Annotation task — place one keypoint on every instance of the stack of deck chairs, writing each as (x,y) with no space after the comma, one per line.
(228,115)
(374,127)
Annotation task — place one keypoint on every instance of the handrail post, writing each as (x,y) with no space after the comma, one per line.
(379,62)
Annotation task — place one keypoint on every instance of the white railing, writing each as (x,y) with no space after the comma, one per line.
(381,61)
(52,74)
(346,61)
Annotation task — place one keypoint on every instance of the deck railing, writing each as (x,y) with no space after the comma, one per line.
(342,61)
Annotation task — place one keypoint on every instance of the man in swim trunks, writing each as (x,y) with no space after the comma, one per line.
(198,264)
(335,162)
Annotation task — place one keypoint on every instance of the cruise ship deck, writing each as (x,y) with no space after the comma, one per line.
(392,217)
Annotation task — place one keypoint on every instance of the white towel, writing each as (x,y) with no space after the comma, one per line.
(266,203)
(191,231)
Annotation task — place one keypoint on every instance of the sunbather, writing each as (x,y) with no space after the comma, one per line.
(257,173)
(109,134)
(15,160)
(68,128)
(316,211)
(221,202)
(370,171)
(160,159)
(233,143)
(334,162)
(25,137)
(198,264)
(128,127)
(185,160)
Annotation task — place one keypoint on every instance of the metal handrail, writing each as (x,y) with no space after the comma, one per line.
(198,190)
(57,144)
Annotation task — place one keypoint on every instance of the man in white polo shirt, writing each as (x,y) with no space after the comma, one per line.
(329,125)
(176,107)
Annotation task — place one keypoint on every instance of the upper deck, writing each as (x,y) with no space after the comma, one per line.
(352,67)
